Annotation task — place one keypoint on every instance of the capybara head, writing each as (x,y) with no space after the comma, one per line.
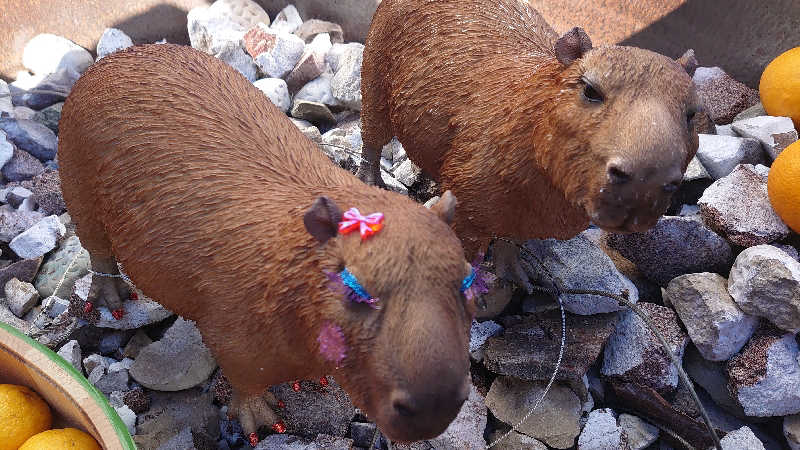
(625,117)
(395,330)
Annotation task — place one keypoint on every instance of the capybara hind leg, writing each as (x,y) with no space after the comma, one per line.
(253,411)
(108,291)
(370,169)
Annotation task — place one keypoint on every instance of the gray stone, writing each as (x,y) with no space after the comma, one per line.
(181,441)
(581,264)
(6,105)
(95,374)
(394,151)
(14,195)
(24,270)
(178,361)
(51,89)
(774,133)
(276,90)
(138,313)
(55,306)
(22,166)
(640,433)
(308,129)
(71,352)
(407,172)
(392,184)
(634,354)
(346,81)
(765,376)
(602,432)
(466,430)
(50,116)
(20,296)
(721,154)
(741,439)
(234,55)
(112,40)
(791,431)
(313,112)
(128,418)
(245,13)
(291,442)
(139,341)
(517,441)
(113,381)
(111,342)
(738,207)
(716,325)
(70,255)
(478,334)
(23,112)
(315,410)
(93,361)
(711,376)
(727,130)
(31,136)
(38,239)
(313,27)
(318,90)
(171,412)
(311,65)
(554,422)
(756,110)
(6,316)
(13,222)
(500,291)
(210,30)
(6,149)
(695,171)
(673,247)
(765,282)
(288,20)
(47,53)
(337,50)
(275,53)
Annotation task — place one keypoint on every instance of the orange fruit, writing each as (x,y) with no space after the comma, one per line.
(783,186)
(780,86)
(22,414)
(61,439)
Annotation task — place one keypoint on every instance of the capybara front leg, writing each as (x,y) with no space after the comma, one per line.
(370,169)
(253,411)
(108,291)
(509,264)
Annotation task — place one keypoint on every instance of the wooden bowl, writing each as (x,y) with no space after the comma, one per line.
(72,399)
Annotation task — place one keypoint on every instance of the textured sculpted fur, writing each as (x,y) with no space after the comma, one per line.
(221,210)
(536,135)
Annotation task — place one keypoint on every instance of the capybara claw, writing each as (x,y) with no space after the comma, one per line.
(253,412)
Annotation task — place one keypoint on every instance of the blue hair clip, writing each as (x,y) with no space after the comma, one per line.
(474,285)
(347,284)
(466,283)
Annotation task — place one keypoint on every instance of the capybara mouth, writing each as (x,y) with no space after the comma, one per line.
(623,223)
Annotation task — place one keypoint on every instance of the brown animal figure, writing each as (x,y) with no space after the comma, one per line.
(536,135)
(219,208)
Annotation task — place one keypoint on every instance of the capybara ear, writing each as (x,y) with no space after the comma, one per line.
(445,208)
(572,45)
(322,219)
(688,61)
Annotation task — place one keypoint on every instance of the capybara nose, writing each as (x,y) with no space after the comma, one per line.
(427,413)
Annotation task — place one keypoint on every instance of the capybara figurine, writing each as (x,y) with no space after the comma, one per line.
(218,207)
(536,135)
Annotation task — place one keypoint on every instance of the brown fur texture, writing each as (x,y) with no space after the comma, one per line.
(474,91)
(175,164)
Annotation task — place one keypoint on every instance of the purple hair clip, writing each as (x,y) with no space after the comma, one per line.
(474,285)
(346,284)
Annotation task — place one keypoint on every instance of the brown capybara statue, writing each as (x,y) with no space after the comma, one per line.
(218,207)
(536,135)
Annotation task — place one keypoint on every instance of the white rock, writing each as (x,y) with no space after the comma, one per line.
(245,13)
(38,239)
(350,139)
(346,81)
(716,325)
(774,133)
(71,351)
(288,20)
(703,75)
(277,92)
(765,281)
(235,56)
(116,366)
(478,334)
(47,53)
(128,418)
(791,430)
(640,433)
(466,430)
(91,362)
(394,151)
(775,392)
(337,50)
(695,171)
(320,44)
(56,306)
(21,296)
(407,172)
(601,432)
(318,90)
(281,54)
(392,184)
(27,81)
(112,40)
(725,130)
(211,31)
(137,314)
(6,106)
(23,112)
(721,154)
(741,439)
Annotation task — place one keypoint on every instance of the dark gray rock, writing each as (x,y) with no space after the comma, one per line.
(315,409)
(22,166)
(31,136)
(172,412)
(50,116)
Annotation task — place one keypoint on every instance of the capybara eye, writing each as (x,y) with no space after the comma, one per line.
(591,94)
(690,117)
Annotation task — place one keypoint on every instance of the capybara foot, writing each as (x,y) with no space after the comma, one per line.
(108,291)
(509,264)
(254,411)
(370,169)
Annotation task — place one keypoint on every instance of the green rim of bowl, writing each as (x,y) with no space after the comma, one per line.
(122,430)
